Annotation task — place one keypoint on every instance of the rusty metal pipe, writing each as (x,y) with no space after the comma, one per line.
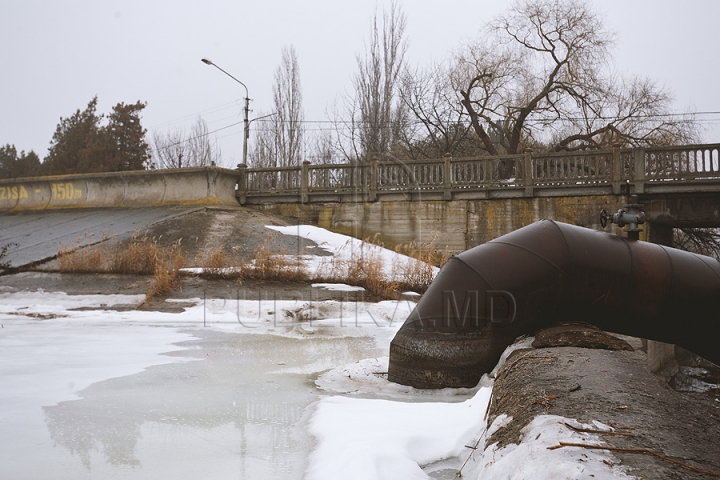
(546,273)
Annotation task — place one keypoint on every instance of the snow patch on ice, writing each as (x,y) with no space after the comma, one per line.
(338,287)
(374,439)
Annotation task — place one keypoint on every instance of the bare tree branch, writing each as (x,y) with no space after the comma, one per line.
(538,75)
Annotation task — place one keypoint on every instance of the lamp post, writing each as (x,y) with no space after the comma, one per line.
(246,134)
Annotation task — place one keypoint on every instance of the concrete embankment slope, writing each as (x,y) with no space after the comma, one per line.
(187,186)
(36,237)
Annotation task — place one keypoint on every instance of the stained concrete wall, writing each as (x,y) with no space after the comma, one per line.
(187,186)
(456,224)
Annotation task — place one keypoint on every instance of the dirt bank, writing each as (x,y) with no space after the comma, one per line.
(615,388)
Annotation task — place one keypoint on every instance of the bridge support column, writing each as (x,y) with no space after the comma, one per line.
(241,192)
(659,233)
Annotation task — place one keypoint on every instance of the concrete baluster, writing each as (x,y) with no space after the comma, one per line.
(640,175)
(617,169)
(447,177)
(528,172)
(372,188)
(305,182)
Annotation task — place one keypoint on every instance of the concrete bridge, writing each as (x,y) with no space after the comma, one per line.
(458,203)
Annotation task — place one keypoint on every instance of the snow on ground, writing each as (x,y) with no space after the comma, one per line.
(346,250)
(379,439)
(360,438)
(532,458)
(338,287)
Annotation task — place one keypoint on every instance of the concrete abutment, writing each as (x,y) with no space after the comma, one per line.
(453,224)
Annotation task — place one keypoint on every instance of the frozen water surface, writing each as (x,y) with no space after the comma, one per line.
(97,393)
(234,389)
(266,390)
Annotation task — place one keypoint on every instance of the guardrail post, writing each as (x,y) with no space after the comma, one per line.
(640,175)
(372,188)
(617,169)
(304,182)
(528,172)
(447,177)
(242,185)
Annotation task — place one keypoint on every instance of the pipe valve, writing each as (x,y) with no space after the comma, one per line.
(632,217)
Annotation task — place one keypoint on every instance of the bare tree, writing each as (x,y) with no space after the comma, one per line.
(705,241)
(279,141)
(170,150)
(178,149)
(323,149)
(289,115)
(373,112)
(538,75)
(437,122)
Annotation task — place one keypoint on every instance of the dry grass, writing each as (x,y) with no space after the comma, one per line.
(83,260)
(217,264)
(266,265)
(166,272)
(269,266)
(418,275)
(145,256)
(365,269)
(142,255)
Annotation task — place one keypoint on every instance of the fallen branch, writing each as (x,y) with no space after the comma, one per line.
(621,427)
(458,474)
(602,432)
(635,450)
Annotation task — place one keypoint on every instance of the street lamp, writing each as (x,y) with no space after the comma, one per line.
(246,136)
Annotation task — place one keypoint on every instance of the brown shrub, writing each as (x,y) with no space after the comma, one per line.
(82,260)
(268,266)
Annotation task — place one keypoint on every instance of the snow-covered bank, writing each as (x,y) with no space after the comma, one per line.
(344,249)
(361,438)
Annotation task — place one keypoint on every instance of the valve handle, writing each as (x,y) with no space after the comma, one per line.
(604,217)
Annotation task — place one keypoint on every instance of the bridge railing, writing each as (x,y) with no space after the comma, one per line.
(524,174)
(573,168)
(690,162)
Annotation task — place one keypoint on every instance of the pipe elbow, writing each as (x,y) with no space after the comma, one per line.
(546,273)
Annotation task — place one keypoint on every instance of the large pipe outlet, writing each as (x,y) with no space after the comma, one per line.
(546,273)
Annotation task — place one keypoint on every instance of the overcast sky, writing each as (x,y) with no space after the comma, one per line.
(56,55)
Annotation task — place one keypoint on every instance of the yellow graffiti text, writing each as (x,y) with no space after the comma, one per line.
(65,191)
(16,192)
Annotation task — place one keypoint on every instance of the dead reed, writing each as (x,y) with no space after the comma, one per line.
(280,267)
(141,255)
(364,266)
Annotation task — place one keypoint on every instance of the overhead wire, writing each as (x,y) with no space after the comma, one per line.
(707,121)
